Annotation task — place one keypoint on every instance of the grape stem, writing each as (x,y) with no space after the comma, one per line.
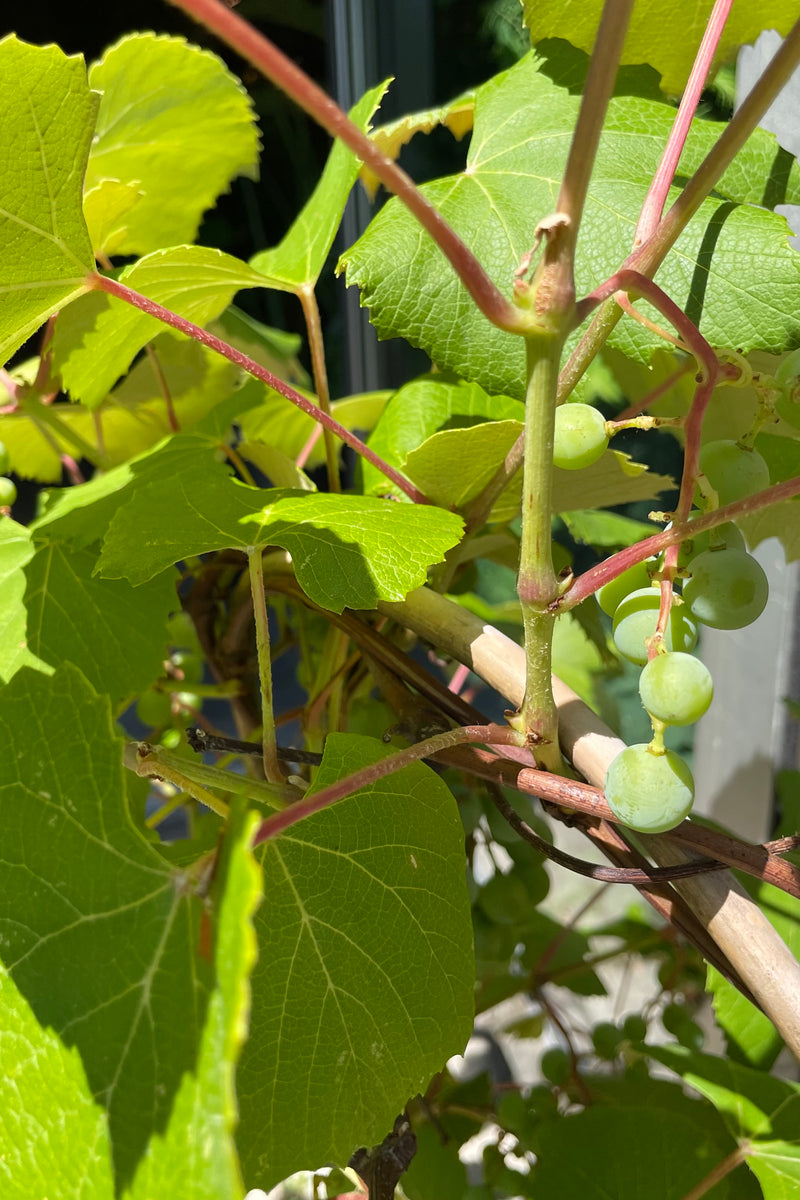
(121,292)
(588,583)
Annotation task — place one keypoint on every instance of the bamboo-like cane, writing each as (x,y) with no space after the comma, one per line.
(730,916)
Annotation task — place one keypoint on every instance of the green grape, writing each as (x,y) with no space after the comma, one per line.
(181,632)
(676,688)
(556,1066)
(677,1021)
(606,1039)
(647,791)
(635,1028)
(154,709)
(5,459)
(611,594)
(8,492)
(580,436)
(635,621)
(727,589)
(733,470)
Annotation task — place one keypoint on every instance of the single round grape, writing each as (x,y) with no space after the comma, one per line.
(8,492)
(5,459)
(580,436)
(607,1039)
(181,631)
(154,709)
(647,791)
(676,688)
(727,589)
(611,594)
(635,621)
(733,470)
(556,1066)
(635,1028)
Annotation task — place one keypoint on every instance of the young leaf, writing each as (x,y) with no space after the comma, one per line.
(519,145)
(47,121)
(348,551)
(296,261)
(97,338)
(365,958)
(672,56)
(196,1155)
(106,953)
(53,1136)
(176,124)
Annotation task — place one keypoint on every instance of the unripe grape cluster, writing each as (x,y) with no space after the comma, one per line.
(8,490)
(648,787)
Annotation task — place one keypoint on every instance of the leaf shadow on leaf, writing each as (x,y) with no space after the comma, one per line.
(705,256)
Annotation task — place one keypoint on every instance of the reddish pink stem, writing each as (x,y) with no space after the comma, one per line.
(268,59)
(104,284)
(653,206)
(487,735)
(588,583)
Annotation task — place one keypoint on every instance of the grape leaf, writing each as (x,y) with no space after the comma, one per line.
(732,269)
(16,550)
(425,406)
(105,955)
(114,633)
(364,958)
(761,1111)
(580,1155)
(176,124)
(457,116)
(46,121)
(645,41)
(97,338)
(54,1136)
(132,418)
(348,551)
(105,208)
(295,263)
(81,515)
(43,1087)
(281,424)
(197,1155)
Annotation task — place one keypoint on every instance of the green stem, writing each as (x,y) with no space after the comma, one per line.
(195,778)
(272,768)
(537,584)
(316,345)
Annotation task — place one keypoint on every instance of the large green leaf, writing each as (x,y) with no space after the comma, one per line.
(197,1156)
(105,954)
(46,121)
(348,551)
(365,962)
(297,260)
(97,338)
(761,1111)
(115,633)
(732,269)
(53,1136)
(646,41)
(175,124)
(630,1152)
